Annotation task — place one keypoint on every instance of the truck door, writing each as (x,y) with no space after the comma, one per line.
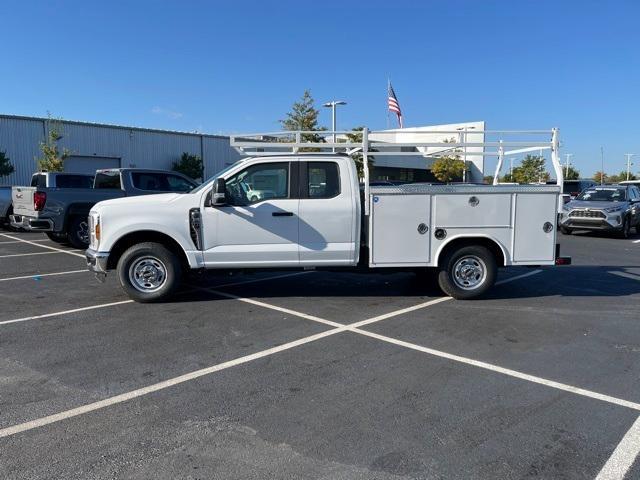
(259,225)
(327,215)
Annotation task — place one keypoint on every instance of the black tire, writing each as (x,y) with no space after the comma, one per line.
(467,272)
(78,232)
(149,272)
(566,231)
(57,237)
(626,228)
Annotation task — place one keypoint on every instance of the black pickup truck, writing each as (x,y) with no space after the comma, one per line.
(62,212)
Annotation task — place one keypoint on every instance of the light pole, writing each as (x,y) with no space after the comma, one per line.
(333,105)
(463,139)
(601,165)
(566,170)
(629,155)
(511,170)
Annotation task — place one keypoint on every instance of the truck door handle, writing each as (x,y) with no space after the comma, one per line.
(282,214)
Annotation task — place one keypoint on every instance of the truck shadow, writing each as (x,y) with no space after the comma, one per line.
(570,281)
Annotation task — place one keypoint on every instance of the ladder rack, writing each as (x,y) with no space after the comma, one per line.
(503,143)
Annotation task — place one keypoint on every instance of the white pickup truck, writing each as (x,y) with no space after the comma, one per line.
(316,216)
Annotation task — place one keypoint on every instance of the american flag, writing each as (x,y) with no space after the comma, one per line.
(394,105)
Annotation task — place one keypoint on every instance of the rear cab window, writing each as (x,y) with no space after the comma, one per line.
(74,181)
(323,180)
(161,182)
(39,180)
(108,180)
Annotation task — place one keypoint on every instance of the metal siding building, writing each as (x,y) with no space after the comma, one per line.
(95,146)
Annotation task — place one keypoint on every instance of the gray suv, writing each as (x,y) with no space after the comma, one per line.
(614,208)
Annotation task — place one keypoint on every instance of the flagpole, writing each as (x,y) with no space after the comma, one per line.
(388,85)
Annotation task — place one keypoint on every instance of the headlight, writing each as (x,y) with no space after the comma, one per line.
(566,207)
(614,209)
(94,230)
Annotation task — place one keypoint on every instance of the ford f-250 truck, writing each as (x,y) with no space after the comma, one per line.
(316,218)
(62,212)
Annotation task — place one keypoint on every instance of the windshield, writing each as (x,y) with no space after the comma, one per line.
(219,174)
(603,195)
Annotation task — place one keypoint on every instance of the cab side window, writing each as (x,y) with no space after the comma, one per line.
(179,184)
(323,179)
(259,182)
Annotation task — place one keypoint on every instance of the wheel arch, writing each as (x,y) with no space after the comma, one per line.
(495,247)
(140,236)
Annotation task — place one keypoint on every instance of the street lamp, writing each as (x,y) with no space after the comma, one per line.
(568,155)
(333,105)
(629,155)
(463,139)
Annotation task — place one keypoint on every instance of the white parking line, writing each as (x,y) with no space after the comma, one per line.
(20,241)
(626,275)
(43,246)
(636,241)
(38,275)
(64,312)
(112,304)
(287,346)
(27,254)
(623,456)
(505,371)
(91,407)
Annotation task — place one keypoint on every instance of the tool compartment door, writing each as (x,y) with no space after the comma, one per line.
(395,229)
(531,242)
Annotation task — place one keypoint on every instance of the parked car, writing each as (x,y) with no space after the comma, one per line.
(62,212)
(5,204)
(630,182)
(572,188)
(614,208)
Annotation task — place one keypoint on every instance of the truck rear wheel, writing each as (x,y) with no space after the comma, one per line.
(467,272)
(78,232)
(149,272)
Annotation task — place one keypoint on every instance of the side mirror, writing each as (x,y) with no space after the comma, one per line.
(219,192)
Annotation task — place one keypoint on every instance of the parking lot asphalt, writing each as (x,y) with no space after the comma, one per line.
(321,375)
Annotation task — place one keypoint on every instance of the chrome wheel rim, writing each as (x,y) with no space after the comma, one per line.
(83,232)
(469,272)
(147,274)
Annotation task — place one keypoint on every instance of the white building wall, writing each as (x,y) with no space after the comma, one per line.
(470,132)
(20,137)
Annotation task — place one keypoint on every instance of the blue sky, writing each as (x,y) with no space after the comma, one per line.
(223,67)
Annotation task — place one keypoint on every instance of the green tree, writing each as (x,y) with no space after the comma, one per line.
(600,177)
(190,165)
(531,170)
(448,169)
(623,176)
(52,159)
(356,137)
(507,178)
(570,173)
(488,179)
(615,178)
(6,168)
(304,116)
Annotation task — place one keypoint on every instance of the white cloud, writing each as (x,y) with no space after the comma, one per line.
(166,112)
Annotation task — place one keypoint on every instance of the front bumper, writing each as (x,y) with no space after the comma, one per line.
(611,222)
(31,223)
(97,261)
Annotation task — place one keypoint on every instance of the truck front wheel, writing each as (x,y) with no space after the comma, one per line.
(467,272)
(149,272)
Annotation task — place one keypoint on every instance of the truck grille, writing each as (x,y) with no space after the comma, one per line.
(587,214)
